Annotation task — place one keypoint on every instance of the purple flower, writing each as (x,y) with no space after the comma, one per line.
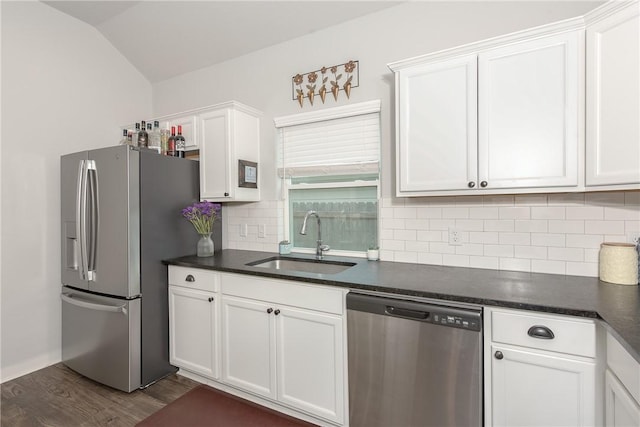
(202,215)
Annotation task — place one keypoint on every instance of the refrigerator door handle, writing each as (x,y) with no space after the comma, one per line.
(81,215)
(91,194)
(93,306)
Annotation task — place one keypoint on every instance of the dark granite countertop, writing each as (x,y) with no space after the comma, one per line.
(617,305)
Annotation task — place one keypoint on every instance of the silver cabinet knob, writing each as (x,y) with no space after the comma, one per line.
(276,312)
(471,184)
(269,310)
(483,184)
(210,299)
(498,355)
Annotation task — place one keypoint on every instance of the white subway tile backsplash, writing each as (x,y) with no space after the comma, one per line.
(486,262)
(484,212)
(405,212)
(566,226)
(630,212)
(501,251)
(584,240)
(547,233)
(515,264)
(604,227)
(455,213)
(582,269)
(505,225)
(531,200)
(469,224)
(470,249)
(406,235)
(566,254)
(428,213)
(546,266)
(531,226)
(584,212)
(566,199)
(531,252)
(549,240)
(515,238)
(486,237)
(456,260)
(429,258)
(546,212)
(430,236)
(416,246)
(416,224)
(515,212)
(411,257)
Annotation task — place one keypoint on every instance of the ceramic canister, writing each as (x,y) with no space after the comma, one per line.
(619,263)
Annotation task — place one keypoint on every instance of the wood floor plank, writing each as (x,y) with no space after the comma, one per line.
(56,396)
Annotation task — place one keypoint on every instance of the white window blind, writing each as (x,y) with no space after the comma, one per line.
(331,143)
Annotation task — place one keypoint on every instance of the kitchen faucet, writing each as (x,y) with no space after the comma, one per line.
(319,246)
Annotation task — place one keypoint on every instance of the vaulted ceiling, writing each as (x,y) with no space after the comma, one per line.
(163,39)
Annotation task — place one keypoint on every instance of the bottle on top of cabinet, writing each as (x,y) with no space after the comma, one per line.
(171,143)
(143,136)
(164,140)
(180,143)
(154,136)
(134,139)
(124,140)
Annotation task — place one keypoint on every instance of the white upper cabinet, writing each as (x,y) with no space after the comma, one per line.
(437,144)
(229,153)
(613,96)
(493,117)
(528,113)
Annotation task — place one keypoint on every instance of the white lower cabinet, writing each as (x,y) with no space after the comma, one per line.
(277,342)
(620,407)
(193,331)
(622,386)
(540,370)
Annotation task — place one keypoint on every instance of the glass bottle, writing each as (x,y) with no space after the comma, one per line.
(143,136)
(134,141)
(164,140)
(124,140)
(180,143)
(171,143)
(154,136)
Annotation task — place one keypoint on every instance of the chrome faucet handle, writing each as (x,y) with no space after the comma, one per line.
(323,248)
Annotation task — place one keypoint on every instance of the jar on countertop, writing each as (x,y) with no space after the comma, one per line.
(284,247)
(619,263)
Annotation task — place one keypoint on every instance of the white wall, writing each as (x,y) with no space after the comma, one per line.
(539,233)
(64,89)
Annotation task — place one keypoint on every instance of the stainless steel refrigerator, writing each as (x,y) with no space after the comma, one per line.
(120,214)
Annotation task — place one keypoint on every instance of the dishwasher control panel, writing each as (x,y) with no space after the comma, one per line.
(443,315)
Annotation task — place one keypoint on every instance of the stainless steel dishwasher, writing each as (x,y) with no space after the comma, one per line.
(413,363)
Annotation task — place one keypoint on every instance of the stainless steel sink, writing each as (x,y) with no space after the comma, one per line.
(304,265)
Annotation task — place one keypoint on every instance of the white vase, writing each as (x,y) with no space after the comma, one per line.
(373,254)
(205,245)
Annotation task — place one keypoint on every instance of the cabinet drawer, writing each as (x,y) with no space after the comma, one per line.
(624,366)
(571,335)
(312,297)
(195,278)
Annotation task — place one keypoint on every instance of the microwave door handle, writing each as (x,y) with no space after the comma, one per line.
(92,193)
(81,208)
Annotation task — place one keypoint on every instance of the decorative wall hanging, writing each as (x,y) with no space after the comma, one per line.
(334,79)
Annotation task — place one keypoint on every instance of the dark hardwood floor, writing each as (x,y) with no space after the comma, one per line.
(57,396)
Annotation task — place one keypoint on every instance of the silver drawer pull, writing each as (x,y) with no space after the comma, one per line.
(190,278)
(541,332)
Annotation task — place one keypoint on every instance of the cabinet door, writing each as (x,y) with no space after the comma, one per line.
(310,371)
(528,114)
(248,345)
(621,410)
(215,181)
(193,335)
(613,99)
(535,389)
(437,126)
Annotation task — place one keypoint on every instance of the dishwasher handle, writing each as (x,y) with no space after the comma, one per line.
(406,313)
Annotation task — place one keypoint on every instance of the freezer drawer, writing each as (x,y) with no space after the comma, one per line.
(101,338)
